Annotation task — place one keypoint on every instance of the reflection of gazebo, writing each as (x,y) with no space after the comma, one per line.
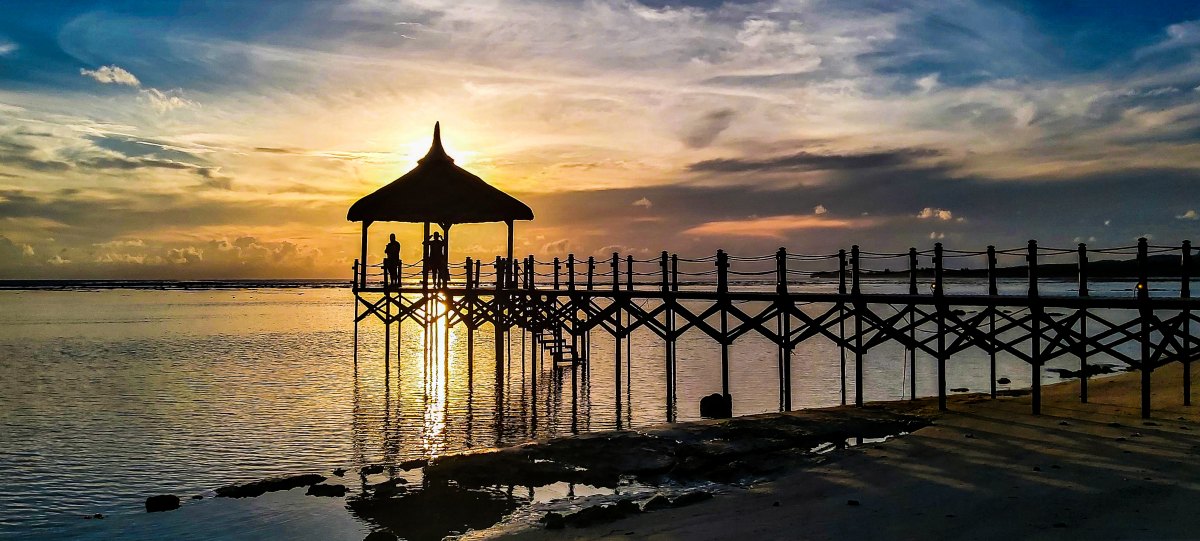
(437,191)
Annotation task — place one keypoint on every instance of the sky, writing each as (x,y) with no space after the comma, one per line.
(227,139)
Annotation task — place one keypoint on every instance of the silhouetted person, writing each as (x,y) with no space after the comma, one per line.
(435,260)
(391,260)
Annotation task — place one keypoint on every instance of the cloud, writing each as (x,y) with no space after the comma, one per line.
(933,235)
(819,210)
(1189,215)
(643,202)
(807,161)
(557,247)
(112,75)
(705,130)
(932,213)
(773,226)
(7,47)
(165,102)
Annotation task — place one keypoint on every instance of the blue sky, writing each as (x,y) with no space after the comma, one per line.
(226,139)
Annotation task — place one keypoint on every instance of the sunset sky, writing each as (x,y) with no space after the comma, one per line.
(227,139)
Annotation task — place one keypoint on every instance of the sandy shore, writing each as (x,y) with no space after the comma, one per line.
(986,470)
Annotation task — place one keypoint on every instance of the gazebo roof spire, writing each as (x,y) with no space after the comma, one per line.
(436,152)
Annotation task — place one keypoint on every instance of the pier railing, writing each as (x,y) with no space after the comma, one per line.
(727,297)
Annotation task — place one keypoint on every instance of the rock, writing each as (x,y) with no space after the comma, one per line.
(1003,381)
(776,504)
(327,490)
(852,503)
(258,488)
(388,488)
(380,535)
(716,406)
(1150,423)
(629,507)
(959,390)
(339,472)
(1063,423)
(371,469)
(197,497)
(1115,424)
(594,515)
(659,501)
(1060,524)
(553,521)
(969,436)
(413,464)
(689,498)
(162,502)
(1035,468)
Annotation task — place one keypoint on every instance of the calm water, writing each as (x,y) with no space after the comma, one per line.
(108,396)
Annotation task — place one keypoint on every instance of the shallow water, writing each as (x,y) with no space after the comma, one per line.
(108,396)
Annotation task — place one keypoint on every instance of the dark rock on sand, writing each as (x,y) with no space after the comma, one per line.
(258,488)
(389,488)
(339,472)
(597,514)
(959,390)
(413,464)
(162,502)
(553,521)
(380,535)
(659,501)
(1003,381)
(197,497)
(716,406)
(322,489)
(1090,370)
(692,497)
(435,510)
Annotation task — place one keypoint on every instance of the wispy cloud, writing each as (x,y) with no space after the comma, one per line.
(112,75)
(774,226)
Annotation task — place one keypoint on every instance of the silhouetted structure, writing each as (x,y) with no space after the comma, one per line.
(561,307)
(439,192)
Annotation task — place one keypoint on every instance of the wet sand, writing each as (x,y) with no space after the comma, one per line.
(988,469)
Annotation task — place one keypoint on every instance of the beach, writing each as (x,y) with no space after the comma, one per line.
(987,469)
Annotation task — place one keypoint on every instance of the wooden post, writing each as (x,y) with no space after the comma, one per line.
(859,308)
(940,306)
(591,271)
(571,272)
(1083,345)
(508,267)
(557,270)
(362,277)
(785,327)
(992,291)
(722,299)
(467,274)
(841,306)
(1185,292)
(675,272)
(531,271)
(1035,336)
(1145,313)
(616,281)
(912,331)
(669,339)
(354,281)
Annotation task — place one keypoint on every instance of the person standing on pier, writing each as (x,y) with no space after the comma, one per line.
(391,261)
(435,260)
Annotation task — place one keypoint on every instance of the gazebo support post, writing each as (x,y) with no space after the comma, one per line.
(509,262)
(362,269)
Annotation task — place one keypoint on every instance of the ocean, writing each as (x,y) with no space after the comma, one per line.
(114,391)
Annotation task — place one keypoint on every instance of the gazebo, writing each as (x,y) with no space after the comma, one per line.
(437,191)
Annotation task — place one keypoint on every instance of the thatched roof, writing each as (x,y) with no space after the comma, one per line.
(438,191)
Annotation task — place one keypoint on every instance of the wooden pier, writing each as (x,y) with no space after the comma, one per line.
(560,303)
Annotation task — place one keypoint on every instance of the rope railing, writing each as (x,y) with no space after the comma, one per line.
(669,271)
